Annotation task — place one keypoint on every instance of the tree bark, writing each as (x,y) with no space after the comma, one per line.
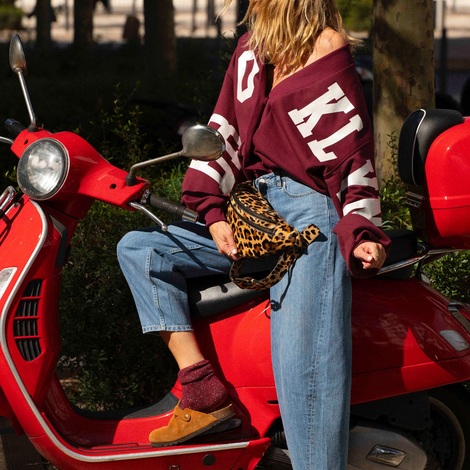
(83,25)
(44,15)
(242,7)
(403,54)
(160,42)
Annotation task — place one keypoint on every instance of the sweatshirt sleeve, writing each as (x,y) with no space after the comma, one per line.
(354,189)
(206,185)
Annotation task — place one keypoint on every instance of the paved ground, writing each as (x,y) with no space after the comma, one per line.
(16,452)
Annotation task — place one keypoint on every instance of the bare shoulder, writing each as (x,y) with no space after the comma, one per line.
(328,41)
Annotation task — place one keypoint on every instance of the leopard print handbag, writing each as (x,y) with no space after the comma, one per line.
(260,231)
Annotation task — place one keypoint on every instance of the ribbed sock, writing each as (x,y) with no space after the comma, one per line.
(202,390)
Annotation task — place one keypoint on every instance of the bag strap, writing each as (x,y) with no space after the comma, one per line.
(284,262)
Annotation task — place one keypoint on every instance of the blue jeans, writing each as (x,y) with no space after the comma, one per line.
(310,317)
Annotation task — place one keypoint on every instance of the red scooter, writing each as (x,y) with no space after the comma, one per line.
(411,344)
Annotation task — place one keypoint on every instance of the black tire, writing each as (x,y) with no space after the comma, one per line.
(450,428)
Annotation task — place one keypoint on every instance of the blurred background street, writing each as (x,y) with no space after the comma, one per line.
(194,18)
(191,18)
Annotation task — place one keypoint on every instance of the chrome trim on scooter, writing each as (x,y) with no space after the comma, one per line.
(386,455)
(6,198)
(150,215)
(38,415)
(6,275)
(455,339)
(6,140)
(417,259)
(455,312)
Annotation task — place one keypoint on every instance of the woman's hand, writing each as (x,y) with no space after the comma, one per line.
(223,237)
(371,254)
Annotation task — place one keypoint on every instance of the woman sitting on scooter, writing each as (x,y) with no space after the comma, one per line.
(293,115)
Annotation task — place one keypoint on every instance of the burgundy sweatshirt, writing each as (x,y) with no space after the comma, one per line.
(313,125)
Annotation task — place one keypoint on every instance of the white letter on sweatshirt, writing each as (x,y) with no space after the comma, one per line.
(333,101)
(246,86)
(220,169)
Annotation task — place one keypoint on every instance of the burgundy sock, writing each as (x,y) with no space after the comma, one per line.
(202,390)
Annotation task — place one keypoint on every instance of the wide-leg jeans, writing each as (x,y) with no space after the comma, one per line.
(310,316)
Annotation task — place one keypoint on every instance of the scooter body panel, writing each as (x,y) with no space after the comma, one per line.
(394,354)
(238,455)
(447,173)
(399,339)
(25,340)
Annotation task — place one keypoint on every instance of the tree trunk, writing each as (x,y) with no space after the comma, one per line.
(160,43)
(44,16)
(403,38)
(242,7)
(83,25)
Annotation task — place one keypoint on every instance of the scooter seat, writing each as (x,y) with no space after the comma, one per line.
(418,132)
(404,246)
(210,295)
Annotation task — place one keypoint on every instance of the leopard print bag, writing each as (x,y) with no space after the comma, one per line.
(260,231)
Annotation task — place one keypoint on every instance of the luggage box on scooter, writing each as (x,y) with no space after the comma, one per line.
(434,158)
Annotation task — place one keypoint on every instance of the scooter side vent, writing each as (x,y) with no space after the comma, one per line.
(25,327)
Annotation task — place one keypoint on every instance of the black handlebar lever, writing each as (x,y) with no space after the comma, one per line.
(171,207)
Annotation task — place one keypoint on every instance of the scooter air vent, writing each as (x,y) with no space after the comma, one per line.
(25,327)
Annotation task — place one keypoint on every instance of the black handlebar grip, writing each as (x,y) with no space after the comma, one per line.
(13,127)
(171,207)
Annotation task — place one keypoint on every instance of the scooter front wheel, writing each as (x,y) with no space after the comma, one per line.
(450,428)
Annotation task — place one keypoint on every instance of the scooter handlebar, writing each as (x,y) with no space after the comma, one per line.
(14,128)
(179,210)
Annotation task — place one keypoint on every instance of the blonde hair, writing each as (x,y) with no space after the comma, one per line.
(284,32)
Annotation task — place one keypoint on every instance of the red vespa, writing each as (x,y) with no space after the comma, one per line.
(411,344)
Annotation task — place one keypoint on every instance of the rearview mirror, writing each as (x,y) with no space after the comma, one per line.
(202,143)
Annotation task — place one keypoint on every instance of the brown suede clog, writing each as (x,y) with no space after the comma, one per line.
(187,423)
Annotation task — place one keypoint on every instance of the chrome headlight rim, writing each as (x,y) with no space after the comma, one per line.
(49,153)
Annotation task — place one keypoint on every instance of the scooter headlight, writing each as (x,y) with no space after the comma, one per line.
(42,169)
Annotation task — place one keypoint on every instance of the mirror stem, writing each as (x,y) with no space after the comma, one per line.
(32,116)
(131,179)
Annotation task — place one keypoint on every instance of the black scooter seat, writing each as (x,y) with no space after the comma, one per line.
(211,295)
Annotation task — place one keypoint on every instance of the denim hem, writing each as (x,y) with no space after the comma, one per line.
(154,329)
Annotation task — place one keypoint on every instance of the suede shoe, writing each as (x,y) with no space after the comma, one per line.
(186,424)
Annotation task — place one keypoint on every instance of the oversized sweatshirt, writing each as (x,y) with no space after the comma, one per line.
(313,126)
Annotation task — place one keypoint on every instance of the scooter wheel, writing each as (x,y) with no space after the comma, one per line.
(450,428)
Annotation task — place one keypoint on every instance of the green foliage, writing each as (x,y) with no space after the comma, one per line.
(395,213)
(117,365)
(120,136)
(357,14)
(451,276)
(10,17)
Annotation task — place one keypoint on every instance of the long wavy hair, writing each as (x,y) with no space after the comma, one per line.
(284,32)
